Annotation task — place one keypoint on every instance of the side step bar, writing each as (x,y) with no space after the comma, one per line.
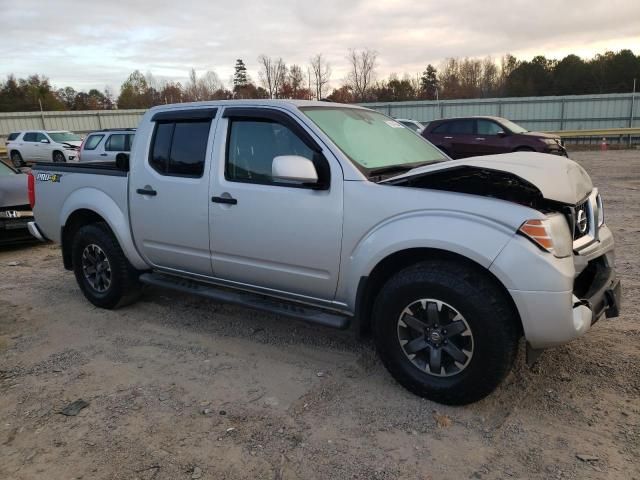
(249,300)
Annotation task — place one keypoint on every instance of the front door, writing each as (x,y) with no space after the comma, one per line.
(462,138)
(490,137)
(283,237)
(169,191)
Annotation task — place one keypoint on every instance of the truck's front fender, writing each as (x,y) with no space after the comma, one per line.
(478,239)
(102,204)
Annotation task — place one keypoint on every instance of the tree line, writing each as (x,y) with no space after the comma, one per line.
(455,78)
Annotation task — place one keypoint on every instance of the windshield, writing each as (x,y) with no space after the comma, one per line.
(5,170)
(513,127)
(60,137)
(372,141)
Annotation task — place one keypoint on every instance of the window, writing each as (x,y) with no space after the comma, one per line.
(372,140)
(179,148)
(487,127)
(30,137)
(115,143)
(12,136)
(461,127)
(252,146)
(92,142)
(443,128)
(41,136)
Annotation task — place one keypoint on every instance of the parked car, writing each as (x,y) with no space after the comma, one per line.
(15,211)
(104,145)
(472,136)
(42,145)
(412,124)
(334,215)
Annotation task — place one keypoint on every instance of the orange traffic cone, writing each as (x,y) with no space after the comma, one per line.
(603,144)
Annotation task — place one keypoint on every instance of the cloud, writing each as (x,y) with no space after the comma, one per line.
(91,44)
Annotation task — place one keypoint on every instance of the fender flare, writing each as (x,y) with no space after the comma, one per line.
(478,239)
(102,204)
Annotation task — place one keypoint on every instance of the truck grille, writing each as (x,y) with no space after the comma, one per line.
(581,220)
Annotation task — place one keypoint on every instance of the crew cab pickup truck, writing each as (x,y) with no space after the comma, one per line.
(341,216)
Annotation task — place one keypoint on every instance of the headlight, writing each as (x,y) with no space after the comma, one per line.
(551,234)
(600,211)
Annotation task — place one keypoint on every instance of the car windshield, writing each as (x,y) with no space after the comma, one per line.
(513,127)
(64,137)
(373,142)
(5,170)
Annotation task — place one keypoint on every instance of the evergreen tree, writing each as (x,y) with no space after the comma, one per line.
(240,78)
(429,83)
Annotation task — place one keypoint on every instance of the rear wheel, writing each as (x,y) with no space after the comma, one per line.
(58,157)
(445,331)
(16,159)
(103,273)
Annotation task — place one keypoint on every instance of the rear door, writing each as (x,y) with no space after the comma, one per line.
(29,147)
(462,137)
(268,234)
(169,191)
(115,144)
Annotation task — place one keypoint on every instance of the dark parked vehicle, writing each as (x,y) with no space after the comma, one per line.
(472,136)
(15,211)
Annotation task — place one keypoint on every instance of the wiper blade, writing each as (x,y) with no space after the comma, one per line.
(390,169)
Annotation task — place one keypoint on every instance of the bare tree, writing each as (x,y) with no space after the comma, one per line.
(272,74)
(362,66)
(203,88)
(321,74)
(295,79)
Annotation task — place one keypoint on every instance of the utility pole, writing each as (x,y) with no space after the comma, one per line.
(44,126)
(633,101)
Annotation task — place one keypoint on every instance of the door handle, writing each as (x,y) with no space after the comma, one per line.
(480,138)
(103,154)
(448,138)
(227,200)
(147,191)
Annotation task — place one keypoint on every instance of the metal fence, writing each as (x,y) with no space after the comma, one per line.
(76,121)
(575,112)
(571,112)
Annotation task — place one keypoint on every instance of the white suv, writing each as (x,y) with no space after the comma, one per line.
(104,145)
(43,146)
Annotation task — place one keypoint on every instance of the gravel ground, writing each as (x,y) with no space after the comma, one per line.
(183,388)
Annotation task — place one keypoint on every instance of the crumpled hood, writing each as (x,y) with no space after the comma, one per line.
(558,178)
(74,143)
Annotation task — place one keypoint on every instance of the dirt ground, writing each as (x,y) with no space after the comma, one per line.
(184,388)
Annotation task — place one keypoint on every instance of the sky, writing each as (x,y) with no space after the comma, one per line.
(89,44)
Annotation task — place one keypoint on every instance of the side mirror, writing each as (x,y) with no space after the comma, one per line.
(44,140)
(294,168)
(122,162)
(501,134)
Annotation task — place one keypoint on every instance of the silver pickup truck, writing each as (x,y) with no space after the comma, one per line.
(341,216)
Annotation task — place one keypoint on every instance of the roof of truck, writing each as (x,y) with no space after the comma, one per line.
(255,102)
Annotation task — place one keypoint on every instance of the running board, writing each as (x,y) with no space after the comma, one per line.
(249,300)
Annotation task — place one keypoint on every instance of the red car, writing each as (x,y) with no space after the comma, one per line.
(472,136)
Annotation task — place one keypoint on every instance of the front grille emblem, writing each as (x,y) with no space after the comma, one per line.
(582,221)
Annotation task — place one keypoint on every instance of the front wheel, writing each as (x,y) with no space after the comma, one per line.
(445,331)
(103,273)
(58,157)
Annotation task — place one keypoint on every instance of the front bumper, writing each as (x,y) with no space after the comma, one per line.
(559,300)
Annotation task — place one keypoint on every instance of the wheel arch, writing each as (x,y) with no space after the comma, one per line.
(88,205)
(369,286)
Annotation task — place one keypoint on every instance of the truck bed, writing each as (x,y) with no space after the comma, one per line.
(94,168)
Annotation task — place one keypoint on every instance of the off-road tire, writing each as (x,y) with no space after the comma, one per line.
(124,287)
(488,312)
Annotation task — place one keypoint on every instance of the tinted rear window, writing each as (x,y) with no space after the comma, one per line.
(179,148)
(12,136)
(443,128)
